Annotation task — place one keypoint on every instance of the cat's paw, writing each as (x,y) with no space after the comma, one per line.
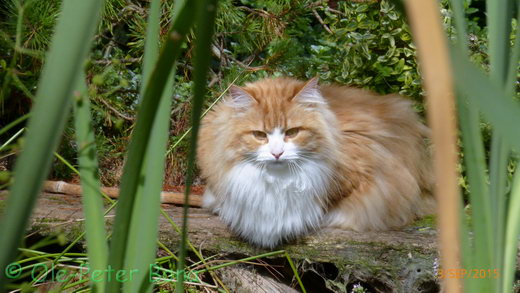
(209,201)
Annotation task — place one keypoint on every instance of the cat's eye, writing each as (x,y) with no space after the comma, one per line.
(290,133)
(259,135)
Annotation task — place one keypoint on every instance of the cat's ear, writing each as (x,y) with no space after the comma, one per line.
(239,98)
(310,93)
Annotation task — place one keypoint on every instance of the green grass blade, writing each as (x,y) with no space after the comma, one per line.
(475,161)
(141,136)
(151,45)
(489,97)
(204,36)
(497,187)
(142,242)
(503,72)
(460,25)
(467,251)
(242,260)
(499,14)
(14,123)
(69,47)
(477,251)
(295,272)
(511,238)
(512,225)
(12,138)
(97,246)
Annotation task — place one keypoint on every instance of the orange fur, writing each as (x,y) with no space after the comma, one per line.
(374,144)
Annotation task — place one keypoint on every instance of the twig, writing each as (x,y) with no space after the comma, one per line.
(318,17)
(213,81)
(246,66)
(215,261)
(219,52)
(111,44)
(110,61)
(117,112)
(260,12)
(334,11)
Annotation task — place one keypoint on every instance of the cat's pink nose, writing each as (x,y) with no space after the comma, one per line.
(277,156)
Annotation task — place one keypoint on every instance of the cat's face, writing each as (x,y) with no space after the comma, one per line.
(278,122)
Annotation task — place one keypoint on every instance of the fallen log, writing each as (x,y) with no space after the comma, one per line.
(329,260)
(243,279)
(194,200)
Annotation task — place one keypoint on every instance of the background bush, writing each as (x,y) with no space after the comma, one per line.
(363,44)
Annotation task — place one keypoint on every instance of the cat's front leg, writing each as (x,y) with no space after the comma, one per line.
(209,201)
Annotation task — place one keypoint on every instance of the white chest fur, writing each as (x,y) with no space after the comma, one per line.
(268,204)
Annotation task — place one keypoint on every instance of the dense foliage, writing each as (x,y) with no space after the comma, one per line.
(364,44)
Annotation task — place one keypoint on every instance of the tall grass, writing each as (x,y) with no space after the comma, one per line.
(141,250)
(489,242)
(92,200)
(67,53)
(138,200)
(205,19)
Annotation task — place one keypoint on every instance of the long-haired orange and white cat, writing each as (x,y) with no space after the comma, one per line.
(283,157)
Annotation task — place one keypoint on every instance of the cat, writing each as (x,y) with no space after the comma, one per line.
(283,157)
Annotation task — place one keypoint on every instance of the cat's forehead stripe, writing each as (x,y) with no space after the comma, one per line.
(274,100)
(274,114)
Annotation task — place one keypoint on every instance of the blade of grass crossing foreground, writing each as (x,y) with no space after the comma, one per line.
(69,47)
(467,250)
(482,248)
(14,123)
(142,242)
(499,15)
(97,246)
(12,138)
(295,272)
(141,135)
(497,187)
(460,25)
(480,94)
(512,225)
(475,161)
(511,236)
(501,111)
(204,35)
(151,46)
